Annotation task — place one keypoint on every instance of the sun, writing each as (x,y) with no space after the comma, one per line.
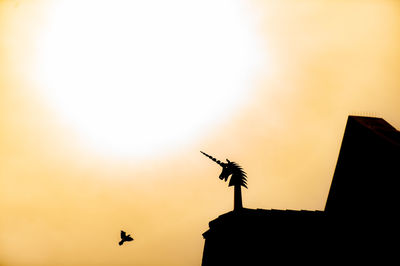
(139,77)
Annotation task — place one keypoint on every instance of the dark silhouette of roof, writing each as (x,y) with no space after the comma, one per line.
(357,225)
(259,237)
(367,169)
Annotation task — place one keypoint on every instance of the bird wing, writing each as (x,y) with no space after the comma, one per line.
(123,234)
(128,238)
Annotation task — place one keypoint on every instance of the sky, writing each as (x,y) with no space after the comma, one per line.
(104,109)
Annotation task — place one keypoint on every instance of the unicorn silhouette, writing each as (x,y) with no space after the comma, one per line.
(238,179)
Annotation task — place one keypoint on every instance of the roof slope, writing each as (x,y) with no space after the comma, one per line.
(367,169)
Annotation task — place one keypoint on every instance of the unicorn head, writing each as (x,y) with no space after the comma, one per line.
(229,168)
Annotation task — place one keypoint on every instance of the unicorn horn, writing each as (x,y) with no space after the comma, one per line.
(212,158)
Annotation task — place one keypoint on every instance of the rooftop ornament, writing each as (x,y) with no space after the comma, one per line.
(238,179)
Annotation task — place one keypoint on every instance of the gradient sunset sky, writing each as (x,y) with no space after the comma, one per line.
(104,109)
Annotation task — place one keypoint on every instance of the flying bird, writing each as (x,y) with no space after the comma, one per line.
(124,238)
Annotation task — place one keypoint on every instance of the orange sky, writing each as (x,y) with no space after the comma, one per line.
(64,204)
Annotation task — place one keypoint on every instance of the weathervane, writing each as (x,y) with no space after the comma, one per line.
(238,179)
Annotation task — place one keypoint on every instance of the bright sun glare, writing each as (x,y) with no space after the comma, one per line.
(138,77)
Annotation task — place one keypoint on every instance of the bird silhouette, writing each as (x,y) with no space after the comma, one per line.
(124,238)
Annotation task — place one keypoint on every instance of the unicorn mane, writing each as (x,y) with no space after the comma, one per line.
(238,175)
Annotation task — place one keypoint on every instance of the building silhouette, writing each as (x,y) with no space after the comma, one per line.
(359,223)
